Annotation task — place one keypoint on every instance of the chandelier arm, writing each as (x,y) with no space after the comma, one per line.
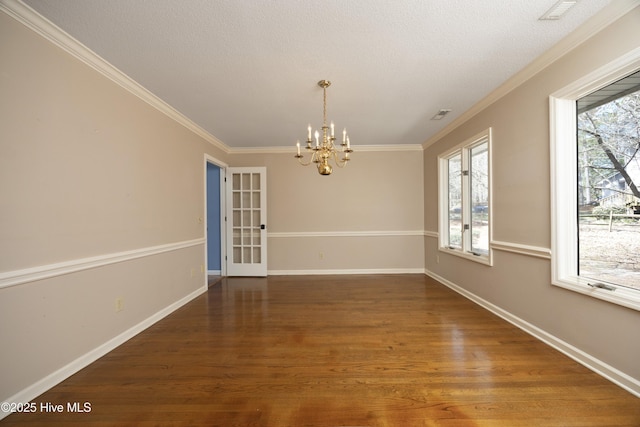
(339,162)
(312,159)
(302,162)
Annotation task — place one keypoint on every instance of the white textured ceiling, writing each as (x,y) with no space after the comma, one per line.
(247,70)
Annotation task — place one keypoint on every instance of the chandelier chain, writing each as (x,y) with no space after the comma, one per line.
(324,110)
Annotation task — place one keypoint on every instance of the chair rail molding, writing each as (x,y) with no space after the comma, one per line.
(18,277)
(302,234)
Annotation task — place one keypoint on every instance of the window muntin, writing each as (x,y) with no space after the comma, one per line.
(465,199)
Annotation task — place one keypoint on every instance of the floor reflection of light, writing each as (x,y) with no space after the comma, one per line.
(244,302)
(457,344)
(471,361)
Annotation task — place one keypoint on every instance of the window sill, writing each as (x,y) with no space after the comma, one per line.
(481,259)
(625,297)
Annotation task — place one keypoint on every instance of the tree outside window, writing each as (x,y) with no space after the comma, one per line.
(608,135)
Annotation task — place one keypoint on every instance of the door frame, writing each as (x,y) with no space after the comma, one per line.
(223,209)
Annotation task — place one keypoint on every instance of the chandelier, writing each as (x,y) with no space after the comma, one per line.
(325,148)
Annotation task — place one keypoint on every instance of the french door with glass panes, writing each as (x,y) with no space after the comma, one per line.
(246,221)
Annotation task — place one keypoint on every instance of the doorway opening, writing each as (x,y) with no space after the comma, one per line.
(214,219)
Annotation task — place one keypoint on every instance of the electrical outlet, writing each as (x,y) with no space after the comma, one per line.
(321,255)
(119,304)
(437,259)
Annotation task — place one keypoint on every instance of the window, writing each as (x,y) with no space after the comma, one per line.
(595,129)
(609,184)
(464,199)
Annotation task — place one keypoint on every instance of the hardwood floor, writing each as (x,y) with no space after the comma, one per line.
(384,350)
(213,280)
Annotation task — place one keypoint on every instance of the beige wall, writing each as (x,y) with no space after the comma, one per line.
(86,170)
(521,284)
(366,217)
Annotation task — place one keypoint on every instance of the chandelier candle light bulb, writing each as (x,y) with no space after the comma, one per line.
(326,149)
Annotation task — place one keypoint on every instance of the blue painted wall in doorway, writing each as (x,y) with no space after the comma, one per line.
(214,241)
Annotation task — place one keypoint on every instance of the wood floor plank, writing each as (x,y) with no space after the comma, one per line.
(383,350)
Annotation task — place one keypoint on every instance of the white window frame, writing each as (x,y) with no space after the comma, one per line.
(443,199)
(564,197)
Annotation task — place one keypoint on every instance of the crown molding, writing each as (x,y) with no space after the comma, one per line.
(51,32)
(356,149)
(609,14)
(388,147)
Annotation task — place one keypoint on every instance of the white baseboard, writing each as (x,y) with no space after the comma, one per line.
(36,389)
(214,272)
(614,375)
(346,271)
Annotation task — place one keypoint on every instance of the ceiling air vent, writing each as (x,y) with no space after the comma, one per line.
(557,10)
(441,114)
